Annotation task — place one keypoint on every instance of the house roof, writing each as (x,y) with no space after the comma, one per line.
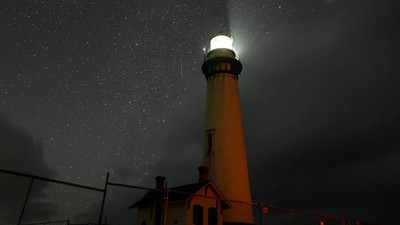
(184,192)
(180,193)
(149,197)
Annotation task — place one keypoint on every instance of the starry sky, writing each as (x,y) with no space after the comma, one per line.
(90,87)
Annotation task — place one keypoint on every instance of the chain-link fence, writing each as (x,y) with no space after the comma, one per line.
(33,200)
(26,199)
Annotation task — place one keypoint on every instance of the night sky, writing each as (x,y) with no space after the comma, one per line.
(90,87)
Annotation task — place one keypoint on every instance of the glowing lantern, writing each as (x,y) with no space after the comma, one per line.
(221,41)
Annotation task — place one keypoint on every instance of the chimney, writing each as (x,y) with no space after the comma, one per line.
(160,182)
(203,174)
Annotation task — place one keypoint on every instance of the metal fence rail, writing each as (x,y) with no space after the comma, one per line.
(27,199)
(60,222)
(32,200)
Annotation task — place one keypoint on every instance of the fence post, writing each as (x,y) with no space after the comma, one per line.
(26,201)
(166,192)
(104,198)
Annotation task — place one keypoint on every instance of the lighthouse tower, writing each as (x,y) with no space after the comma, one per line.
(224,150)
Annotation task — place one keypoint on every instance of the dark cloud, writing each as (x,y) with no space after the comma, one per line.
(184,141)
(322,128)
(21,153)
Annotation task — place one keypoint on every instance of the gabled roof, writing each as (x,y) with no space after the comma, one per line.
(184,192)
(149,198)
(180,193)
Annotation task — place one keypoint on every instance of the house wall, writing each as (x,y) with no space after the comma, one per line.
(181,213)
(146,215)
(177,214)
(205,203)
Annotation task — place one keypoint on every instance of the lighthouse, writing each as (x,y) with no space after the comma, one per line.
(224,148)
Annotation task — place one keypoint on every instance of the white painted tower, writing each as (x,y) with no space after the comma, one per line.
(224,152)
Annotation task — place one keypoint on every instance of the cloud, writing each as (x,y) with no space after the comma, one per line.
(182,149)
(321,115)
(21,153)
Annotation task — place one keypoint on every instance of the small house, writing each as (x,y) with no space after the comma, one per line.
(199,203)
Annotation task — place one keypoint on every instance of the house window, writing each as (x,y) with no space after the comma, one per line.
(210,140)
(198,215)
(212,216)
